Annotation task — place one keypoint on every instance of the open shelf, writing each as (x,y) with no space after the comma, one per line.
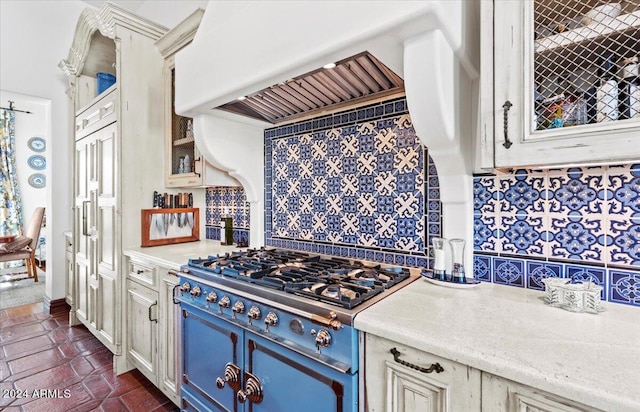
(594,31)
(183,141)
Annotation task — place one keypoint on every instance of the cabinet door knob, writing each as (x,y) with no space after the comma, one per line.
(506,106)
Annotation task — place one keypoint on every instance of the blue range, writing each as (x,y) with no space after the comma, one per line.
(271,330)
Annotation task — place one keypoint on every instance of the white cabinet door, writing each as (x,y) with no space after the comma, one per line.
(98,305)
(85,206)
(168,353)
(152,323)
(107,258)
(548,71)
(501,395)
(391,385)
(142,337)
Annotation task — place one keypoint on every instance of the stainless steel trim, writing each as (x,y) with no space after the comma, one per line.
(299,306)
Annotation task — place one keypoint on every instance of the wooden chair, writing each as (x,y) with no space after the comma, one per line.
(28,252)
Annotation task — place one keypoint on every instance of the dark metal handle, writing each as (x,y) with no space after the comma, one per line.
(85,226)
(506,106)
(173,296)
(434,366)
(150,306)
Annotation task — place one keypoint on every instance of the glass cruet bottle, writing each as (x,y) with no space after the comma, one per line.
(457,257)
(439,253)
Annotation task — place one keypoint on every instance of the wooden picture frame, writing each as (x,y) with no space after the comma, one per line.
(169,226)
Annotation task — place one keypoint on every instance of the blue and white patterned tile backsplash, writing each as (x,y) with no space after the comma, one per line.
(227,202)
(355,184)
(581,223)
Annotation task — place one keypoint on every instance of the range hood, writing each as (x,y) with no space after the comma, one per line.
(246,53)
(356,79)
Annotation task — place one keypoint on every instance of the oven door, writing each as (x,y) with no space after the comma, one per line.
(290,382)
(212,358)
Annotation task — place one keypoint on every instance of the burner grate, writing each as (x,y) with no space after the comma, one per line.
(328,279)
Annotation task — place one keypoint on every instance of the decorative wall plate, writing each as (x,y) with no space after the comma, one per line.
(37,162)
(37,180)
(37,144)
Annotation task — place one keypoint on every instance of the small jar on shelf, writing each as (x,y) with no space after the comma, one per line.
(629,96)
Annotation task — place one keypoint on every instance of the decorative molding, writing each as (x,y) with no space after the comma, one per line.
(181,35)
(106,20)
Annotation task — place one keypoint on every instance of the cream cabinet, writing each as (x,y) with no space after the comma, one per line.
(184,164)
(95,217)
(142,336)
(399,378)
(559,82)
(118,136)
(502,395)
(151,322)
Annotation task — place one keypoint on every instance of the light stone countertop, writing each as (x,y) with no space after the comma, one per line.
(510,332)
(176,255)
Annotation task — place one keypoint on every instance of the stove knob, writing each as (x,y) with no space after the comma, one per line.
(270,320)
(212,297)
(224,303)
(185,287)
(196,291)
(253,314)
(238,307)
(323,339)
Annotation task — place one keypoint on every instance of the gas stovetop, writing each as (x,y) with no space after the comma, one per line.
(313,283)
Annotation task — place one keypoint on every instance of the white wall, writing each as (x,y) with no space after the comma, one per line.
(34,36)
(169,12)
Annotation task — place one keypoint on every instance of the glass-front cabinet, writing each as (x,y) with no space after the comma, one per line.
(181,153)
(560,82)
(184,165)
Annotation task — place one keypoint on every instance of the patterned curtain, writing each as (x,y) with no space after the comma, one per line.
(10,202)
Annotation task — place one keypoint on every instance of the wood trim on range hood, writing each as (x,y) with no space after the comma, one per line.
(353,80)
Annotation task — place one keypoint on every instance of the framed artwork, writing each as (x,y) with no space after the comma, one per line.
(169,226)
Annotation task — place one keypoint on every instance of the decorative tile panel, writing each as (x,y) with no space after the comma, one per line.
(537,271)
(577,190)
(509,272)
(482,267)
(358,181)
(523,234)
(582,223)
(522,193)
(485,196)
(582,273)
(624,287)
(575,237)
(223,202)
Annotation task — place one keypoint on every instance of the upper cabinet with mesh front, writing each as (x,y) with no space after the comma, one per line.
(560,82)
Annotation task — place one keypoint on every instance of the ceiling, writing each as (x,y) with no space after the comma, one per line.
(133,5)
(353,80)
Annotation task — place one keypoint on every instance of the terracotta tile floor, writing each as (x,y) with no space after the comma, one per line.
(62,368)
